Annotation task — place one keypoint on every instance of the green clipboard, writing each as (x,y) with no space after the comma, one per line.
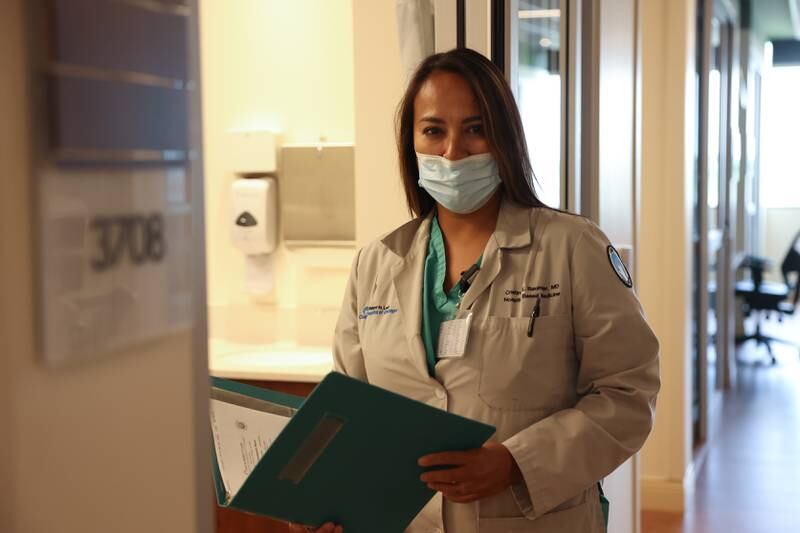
(348,455)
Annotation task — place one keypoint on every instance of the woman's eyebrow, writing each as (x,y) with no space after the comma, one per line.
(437,120)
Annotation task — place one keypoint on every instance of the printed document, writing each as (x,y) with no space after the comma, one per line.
(241,436)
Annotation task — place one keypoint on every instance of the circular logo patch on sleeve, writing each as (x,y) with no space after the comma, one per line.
(619,267)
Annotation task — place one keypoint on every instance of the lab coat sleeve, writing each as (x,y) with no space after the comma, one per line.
(347,356)
(617,383)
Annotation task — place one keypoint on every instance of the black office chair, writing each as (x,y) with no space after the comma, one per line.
(767,298)
(789,267)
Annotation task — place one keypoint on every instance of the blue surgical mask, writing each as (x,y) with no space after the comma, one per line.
(462,186)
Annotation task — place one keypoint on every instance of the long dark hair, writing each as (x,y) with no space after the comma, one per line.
(501,122)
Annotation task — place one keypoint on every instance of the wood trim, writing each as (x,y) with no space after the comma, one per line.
(296,388)
(663,495)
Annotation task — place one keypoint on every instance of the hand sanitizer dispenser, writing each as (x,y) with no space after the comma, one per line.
(254,229)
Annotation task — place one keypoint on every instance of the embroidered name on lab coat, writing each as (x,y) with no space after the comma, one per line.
(545,291)
(376,310)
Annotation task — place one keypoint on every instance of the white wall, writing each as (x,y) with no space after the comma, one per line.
(668,41)
(617,106)
(108,446)
(379,85)
(287,67)
(616,162)
(779,226)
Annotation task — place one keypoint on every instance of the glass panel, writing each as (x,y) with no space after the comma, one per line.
(714,103)
(780,187)
(697,203)
(540,92)
(717,82)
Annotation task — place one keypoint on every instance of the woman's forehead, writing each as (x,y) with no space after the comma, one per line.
(445,93)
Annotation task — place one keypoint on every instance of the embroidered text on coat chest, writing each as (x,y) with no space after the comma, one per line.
(376,310)
(551,290)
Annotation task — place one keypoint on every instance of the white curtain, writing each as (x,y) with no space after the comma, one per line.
(415,32)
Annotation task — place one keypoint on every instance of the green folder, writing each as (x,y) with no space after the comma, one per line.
(347,455)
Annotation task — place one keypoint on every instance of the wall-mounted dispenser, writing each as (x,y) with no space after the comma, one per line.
(254,229)
(253,216)
(318,194)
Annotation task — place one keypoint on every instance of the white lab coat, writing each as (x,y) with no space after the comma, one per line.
(571,403)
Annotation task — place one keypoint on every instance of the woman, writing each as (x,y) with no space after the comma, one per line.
(558,356)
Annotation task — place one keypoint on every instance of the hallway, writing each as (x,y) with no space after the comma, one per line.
(750,474)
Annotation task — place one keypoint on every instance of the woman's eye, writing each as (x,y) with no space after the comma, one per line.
(431,131)
(475,129)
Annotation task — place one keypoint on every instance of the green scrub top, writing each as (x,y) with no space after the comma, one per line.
(437,305)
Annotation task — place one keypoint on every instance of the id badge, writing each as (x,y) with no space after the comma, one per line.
(453,336)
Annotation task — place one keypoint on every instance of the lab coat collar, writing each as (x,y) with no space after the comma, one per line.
(409,236)
(410,244)
(407,274)
(513,230)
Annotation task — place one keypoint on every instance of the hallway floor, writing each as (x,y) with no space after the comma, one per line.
(749,480)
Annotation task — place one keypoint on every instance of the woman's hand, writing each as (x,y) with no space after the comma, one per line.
(328,527)
(476,474)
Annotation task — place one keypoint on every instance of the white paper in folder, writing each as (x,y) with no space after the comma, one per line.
(241,437)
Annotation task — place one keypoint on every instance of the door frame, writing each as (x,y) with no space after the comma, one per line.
(726,12)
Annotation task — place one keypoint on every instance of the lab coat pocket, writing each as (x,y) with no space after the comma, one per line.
(520,372)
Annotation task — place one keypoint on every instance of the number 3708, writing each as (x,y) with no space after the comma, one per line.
(139,237)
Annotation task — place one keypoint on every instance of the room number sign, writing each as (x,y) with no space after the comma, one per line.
(140,238)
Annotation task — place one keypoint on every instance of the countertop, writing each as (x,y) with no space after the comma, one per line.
(269,362)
